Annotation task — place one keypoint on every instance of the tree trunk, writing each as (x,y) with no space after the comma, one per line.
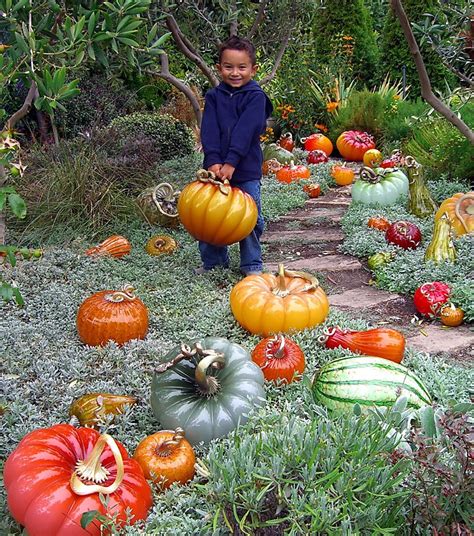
(426,91)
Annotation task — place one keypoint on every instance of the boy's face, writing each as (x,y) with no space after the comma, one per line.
(236,68)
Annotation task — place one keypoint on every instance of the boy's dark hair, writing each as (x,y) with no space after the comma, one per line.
(238,43)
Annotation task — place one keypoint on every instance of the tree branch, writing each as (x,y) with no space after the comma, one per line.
(426,91)
(26,107)
(258,19)
(234,23)
(278,58)
(179,84)
(189,51)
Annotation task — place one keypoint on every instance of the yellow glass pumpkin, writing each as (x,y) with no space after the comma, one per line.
(460,211)
(215,212)
(161,245)
(372,158)
(289,301)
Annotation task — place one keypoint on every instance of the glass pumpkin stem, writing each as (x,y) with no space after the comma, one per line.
(469,209)
(368,174)
(166,448)
(91,469)
(208,385)
(165,199)
(281,289)
(210,177)
(280,352)
(127,293)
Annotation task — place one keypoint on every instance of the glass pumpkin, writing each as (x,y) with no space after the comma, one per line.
(318,142)
(161,245)
(420,202)
(460,211)
(266,304)
(215,212)
(353,144)
(57,474)
(158,205)
(115,246)
(381,186)
(288,174)
(206,388)
(112,315)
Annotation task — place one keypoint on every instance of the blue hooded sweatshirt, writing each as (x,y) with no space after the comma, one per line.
(232,122)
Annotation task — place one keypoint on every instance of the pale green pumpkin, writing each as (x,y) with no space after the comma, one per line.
(381,186)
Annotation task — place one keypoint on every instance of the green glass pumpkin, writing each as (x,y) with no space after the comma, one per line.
(206,387)
(420,202)
(380,186)
(274,151)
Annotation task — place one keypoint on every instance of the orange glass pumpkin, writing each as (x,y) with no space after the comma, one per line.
(116,246)
(286,141)
(57,474)
(342,175)
(289,301)
(353,144)
(378,222)
(216,213)
(166,457)
(112,315)
(460,210)
(161,245)
(313,190)
(280,359)
(372,158)
(292,173)
(318,141)
(450,315)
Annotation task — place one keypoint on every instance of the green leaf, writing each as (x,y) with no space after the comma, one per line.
(58,79)
(18,297)
(114,46)
(91,23)
(127,41)
(162,40)
(123,22)
(101,37)
(22,44)
(110,6)
(132,26)
(88,517)
(101,56)
(17,205)
(6,291)
(152,34)
(91,53)
(79,26)
(79,57)
(18,5)
(463,407)
(428,421)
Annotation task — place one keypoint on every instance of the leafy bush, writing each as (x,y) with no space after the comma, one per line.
(344,35)
(395,52)
(173,138)
(441,148)
(99,102)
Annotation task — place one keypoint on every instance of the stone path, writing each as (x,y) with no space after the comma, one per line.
(308,239)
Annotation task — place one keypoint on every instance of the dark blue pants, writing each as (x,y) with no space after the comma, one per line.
(250,248)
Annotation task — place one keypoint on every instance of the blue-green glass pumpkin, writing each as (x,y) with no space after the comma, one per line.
(380,186)
(207,388)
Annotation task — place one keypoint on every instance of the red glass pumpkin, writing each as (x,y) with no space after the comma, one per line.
(112,315)
(380,342)
(316,157)
(280,358)
(378,222)
(404,234)
(57,474)
(352,144)
(318,141)
(430,297)
(313,190)
(388,163)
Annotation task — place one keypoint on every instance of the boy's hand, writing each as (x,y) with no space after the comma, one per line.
(216,168)
(226,172)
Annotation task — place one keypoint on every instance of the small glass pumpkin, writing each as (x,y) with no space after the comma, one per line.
(158,205)
(161,245)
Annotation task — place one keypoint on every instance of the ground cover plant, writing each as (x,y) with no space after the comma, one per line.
(291,469)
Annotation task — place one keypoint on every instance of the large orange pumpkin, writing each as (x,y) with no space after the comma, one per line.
(57,474)
(318,141)
(216,213)
(352,144)
(112,315)
(289,301)
(460,211)
(166,457)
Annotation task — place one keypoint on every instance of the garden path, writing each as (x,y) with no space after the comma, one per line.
(308,239)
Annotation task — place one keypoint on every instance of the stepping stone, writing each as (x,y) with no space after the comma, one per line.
(328,263)
(439,339)
(303,236)
(334,215)
(361,298)
(337,202)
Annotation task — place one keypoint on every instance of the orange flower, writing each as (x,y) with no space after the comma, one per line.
(332,106)
(396,97)
(347,37)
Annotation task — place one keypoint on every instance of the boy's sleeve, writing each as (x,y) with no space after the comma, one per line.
(210,133)
(249,124)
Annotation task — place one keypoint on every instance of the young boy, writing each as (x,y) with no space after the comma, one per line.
(234,116)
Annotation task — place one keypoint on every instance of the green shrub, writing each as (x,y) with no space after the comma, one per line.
(173,138)
(100,101)
(344,36)
(395,52)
